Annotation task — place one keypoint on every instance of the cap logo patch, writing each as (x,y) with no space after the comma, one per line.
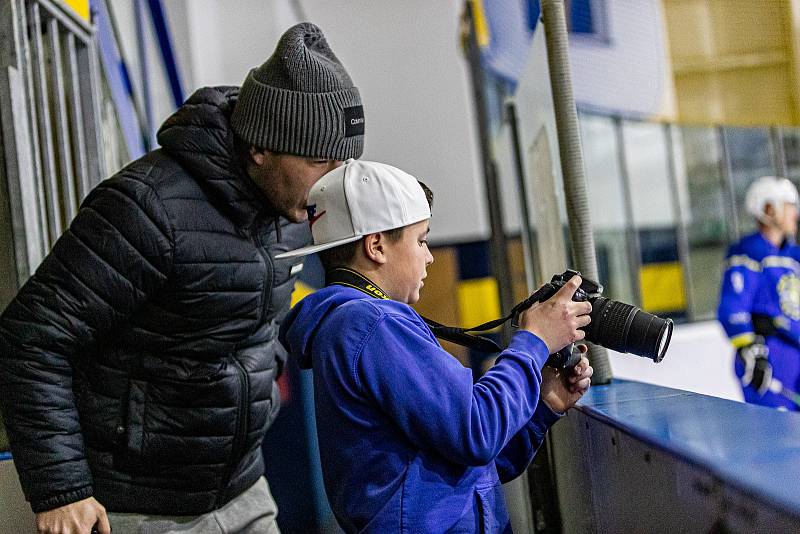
(353,121)
(312,214)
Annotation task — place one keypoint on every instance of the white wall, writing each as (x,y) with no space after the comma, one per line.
(227,39)
(629,73)
(535,117)
(699,359)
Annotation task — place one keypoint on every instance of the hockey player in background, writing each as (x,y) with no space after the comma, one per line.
(760,298)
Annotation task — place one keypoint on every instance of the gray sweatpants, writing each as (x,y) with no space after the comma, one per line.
(252,512)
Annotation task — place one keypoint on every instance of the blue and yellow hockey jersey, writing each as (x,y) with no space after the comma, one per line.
(763,279)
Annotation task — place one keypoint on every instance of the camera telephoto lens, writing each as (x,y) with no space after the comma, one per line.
(625,328)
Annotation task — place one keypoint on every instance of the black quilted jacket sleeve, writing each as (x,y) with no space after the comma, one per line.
(117,251)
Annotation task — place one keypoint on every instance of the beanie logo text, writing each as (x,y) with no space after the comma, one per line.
(353,121)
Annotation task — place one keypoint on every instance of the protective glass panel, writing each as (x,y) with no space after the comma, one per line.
(707,224)
(749,153)
(607,205)
(646,157)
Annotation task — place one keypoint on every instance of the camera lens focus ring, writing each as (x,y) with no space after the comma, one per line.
(611,324)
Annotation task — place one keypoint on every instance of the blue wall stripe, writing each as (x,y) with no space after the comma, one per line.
(162,32)
(658,245)
(118,81)
(473,260)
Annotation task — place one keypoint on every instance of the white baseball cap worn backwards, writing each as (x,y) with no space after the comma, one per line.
(361,198)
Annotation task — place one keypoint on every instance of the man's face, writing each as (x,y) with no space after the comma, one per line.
(286,180)
(407,262)
(788,219)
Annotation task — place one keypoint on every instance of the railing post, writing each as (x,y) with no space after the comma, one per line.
(571,155)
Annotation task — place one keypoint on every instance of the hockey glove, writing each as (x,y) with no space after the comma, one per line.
(757,369)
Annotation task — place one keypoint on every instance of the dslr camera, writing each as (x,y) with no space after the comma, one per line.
(615,325)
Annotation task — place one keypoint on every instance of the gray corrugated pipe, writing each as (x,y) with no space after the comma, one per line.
(571,154)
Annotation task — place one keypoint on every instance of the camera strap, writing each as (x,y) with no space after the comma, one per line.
(460,336)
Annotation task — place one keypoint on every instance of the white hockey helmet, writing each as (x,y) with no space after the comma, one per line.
(771,190)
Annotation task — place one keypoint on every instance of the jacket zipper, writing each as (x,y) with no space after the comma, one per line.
(241,429)
(241,375)
(267,277)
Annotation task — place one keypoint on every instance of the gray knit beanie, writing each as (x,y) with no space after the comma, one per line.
(301,101)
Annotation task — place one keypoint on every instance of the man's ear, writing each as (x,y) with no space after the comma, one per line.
(769,210)
(374,247)
(258,156)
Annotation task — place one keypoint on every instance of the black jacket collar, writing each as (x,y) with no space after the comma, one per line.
(199,136)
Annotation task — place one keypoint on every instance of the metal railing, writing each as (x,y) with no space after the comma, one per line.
(50,116)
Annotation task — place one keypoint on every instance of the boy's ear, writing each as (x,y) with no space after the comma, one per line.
(374,246)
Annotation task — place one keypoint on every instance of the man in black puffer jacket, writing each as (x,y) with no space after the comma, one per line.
(139,362)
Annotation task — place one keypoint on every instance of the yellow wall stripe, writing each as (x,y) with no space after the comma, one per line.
(478,301)
(662,287)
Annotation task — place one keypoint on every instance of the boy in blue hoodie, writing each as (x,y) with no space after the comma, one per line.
(408,443)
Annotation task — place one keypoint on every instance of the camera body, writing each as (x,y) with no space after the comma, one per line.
(569,356)
(614,325)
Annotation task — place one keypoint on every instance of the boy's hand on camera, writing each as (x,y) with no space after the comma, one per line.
(562,389)
(557,321)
